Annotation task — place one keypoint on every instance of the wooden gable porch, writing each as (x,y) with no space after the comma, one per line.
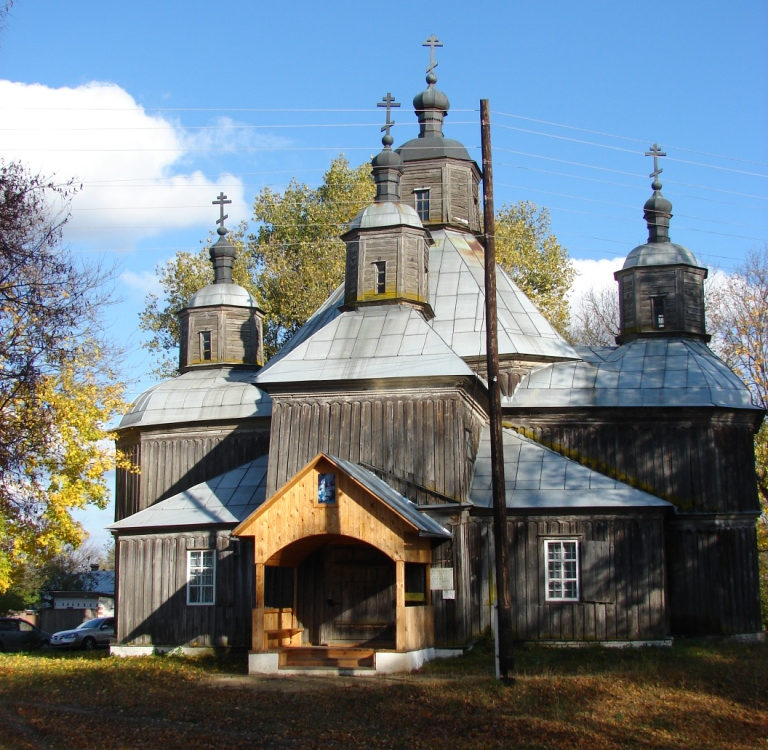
(338,564)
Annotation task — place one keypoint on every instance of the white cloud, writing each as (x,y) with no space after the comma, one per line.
(134,167)
(145,282)
(593,274)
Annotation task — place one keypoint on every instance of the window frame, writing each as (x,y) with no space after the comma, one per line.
(206,346)
(561,578)
(380,276)
(198,569)
(658,317)
(421,202)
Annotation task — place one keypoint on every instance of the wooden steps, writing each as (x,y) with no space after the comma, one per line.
(326,657)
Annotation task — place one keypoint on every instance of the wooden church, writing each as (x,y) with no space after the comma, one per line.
(332,507)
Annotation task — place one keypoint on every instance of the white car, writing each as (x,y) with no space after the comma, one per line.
(87,635)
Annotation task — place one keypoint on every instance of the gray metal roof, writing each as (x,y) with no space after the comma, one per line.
(373,342)
(399,503)
(457,295)
(660,254)
(386,214)
(220,393)
(538,478)
(643,372)
(226,499)
(222,294)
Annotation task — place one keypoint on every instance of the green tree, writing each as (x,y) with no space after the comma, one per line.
(535,260)
(57,385)
(738,322)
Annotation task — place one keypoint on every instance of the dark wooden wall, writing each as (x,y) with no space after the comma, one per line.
(713,576)
(173,459)
(152,598)
(700,460)
(622,579)
(423,443)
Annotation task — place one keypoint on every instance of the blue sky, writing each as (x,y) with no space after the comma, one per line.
(157,106)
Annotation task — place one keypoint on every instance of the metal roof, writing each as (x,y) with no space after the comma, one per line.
(399,503)
(222,294)
(643,372)
(660,254)
(536,477)
(457,295)
(372,342)
(226,499)
(386,214)
(220,393)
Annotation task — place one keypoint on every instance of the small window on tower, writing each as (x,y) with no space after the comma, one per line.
(205,346)
(657,311)
(422,203)
(380,268)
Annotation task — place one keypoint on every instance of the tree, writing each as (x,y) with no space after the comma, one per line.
(738,321)
(57,385)
(534,259)
(595,318)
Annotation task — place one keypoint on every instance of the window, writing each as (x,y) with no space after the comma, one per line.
(562,572)
(380,269)
(205,346)
(657,311)
(422,203)
(201,569)
(326,489)
(415,584)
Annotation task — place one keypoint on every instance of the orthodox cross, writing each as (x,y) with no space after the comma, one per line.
(220,201)
(432,42)
(656,152)
(388,101)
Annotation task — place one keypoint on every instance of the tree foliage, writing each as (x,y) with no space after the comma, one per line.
(535,260)
(57,387)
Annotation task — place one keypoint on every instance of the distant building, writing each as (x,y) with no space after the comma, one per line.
(333,506)
(95,598)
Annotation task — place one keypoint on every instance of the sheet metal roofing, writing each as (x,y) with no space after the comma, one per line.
(660,254)
(377,341)
(643,372)
(404,507)
(220,393)
(538,478)
(226,499)
(457,295)
(386,214)
(222,294)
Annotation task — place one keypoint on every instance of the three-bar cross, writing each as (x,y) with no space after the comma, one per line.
(387,101)
(656,152)
(220,201)
(432,42)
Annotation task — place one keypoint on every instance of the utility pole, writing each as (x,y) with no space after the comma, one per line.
(505,656)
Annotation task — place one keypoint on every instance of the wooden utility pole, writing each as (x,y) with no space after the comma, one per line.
(501,538)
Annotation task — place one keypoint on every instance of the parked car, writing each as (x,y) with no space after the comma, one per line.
(19,635)
(87,635)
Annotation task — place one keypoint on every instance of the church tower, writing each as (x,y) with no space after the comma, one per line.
(221,324)
(387,245)
(661,286)
(440,180)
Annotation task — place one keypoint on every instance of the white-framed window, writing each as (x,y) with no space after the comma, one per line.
(201,576)
(205,346)
(562,570)
(380,272)
(421,203)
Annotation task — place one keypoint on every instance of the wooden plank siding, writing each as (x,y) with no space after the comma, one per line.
(152,597)
(702,461)
(622,589)
(713,581)
(172,460)
(417,443)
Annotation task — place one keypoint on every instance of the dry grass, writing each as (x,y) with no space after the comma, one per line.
(690,696)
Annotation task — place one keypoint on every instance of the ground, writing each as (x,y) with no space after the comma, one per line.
(699,695)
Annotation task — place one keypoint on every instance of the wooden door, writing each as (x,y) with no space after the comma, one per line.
(359,585)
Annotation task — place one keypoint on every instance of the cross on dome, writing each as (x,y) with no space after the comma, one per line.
(220,201)
(432,42)
(389,102)
(655,151)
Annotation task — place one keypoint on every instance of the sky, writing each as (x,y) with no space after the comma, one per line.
(156,107)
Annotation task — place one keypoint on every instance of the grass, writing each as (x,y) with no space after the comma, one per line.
(694,695)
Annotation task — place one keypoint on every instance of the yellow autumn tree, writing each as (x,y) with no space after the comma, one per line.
(57,387)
